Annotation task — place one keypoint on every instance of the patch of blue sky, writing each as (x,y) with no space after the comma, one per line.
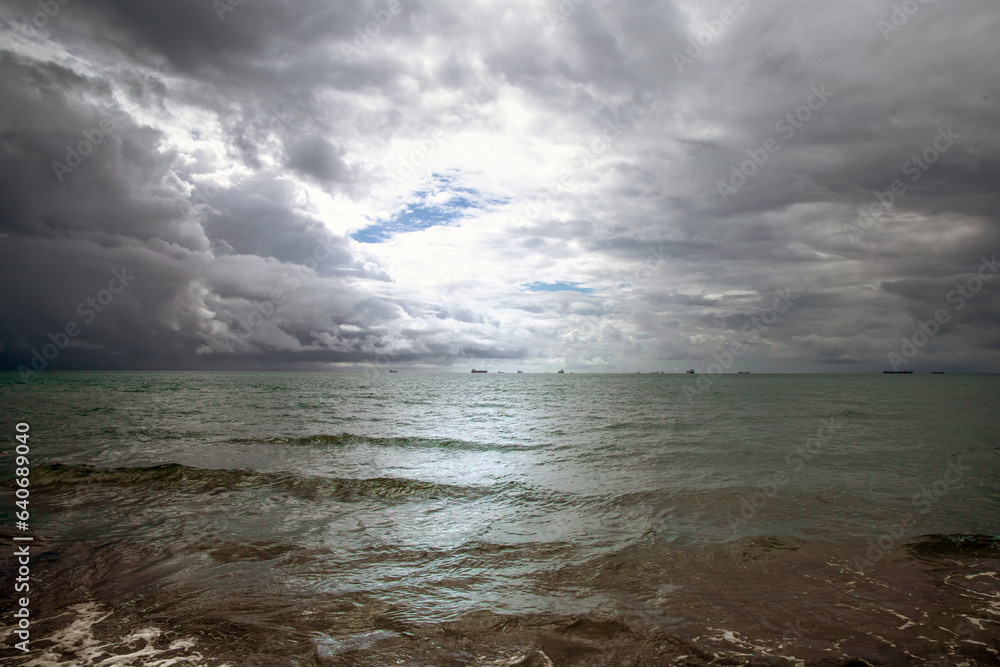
(558,286)
(443,203)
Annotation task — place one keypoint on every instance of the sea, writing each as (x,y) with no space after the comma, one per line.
(502,519)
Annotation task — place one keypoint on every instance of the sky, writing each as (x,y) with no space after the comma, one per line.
(434,185)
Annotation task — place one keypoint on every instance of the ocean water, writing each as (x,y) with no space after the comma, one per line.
(488,519)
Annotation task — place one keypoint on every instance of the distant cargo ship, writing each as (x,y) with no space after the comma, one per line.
(560,371)
(520,371)
(475,371)
(898,372)
(937,372)
(690,372)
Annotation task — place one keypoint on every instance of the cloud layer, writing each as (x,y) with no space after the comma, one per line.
(589,185)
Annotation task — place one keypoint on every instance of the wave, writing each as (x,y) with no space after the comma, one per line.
(184,479)
(351,440)
(937,546)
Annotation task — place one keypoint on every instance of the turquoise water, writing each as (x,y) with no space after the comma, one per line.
(426,498)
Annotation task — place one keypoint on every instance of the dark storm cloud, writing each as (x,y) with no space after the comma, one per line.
(221,40)
(88,191)
(82,169)
(317,158)
(257,218)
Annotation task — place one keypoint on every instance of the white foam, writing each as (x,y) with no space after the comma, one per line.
(755,649)
(512,661)
(76,645)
